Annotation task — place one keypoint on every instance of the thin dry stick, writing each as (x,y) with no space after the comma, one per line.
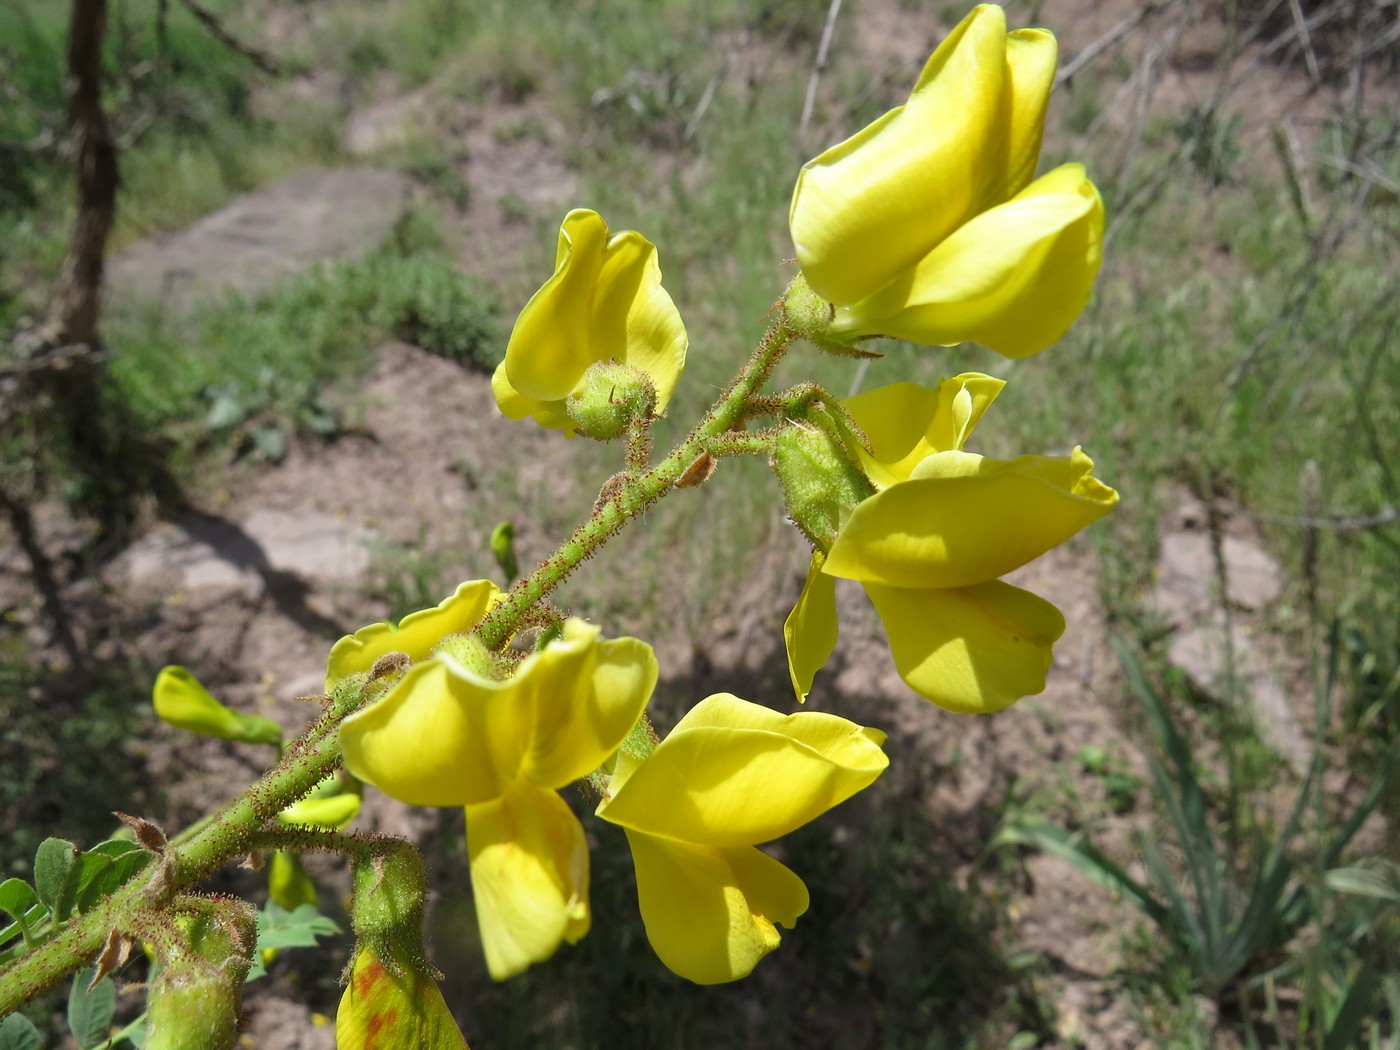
(823,50)
(708,95)
(1148,75)
(1301,24)
(216,29)
(1110,38)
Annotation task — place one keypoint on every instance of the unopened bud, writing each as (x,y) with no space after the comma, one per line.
(192,1002)
(386,1006)
(611,396)
(387,909)
(184,703)
(503,550)
(819,479)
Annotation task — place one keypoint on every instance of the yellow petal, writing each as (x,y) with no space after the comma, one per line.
(1031,56)
(873,206)
(441,737)
(964,519)
(1013,279)
(811,629)
(584,696)
(605,302)
(381,1010)
(710,914)
(333,811)
(515,405)
(733,773)
(182,701)
(551,344)
(529,866)
(906,422)
(288,883)
(416,634)
(971,649)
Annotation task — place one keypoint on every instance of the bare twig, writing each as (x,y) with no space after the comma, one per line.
(262,60)
(1387,515)
(823,51)
(55,357)
(708,95)
(1117,33)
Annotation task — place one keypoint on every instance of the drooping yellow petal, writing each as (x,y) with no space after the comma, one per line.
(442,736)
(181,700)
(710,914)
(972,649)
(288,882)
(604,302)
(529,865)
(333,803)
(415,635)
(874,205)
(811,629)
(381,1010)
(733,773)
(964,519)
(1013,278)
(1031,55)
(585,695)
(515,405)
(553,339)
(905,422)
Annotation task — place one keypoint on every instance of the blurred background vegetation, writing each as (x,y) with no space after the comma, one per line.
(1240,354)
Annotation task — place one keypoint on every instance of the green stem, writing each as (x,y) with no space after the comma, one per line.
(636,493)
(196,854)
(226,837)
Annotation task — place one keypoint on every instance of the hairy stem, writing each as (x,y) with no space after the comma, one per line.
(636,493)
(227,837)
(243,824)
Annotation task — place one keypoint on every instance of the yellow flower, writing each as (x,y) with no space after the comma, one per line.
(929,547)
(730,775)
(449,734)
(604,303)
(926,225)
(181,701)
(416,636)
(384,1009)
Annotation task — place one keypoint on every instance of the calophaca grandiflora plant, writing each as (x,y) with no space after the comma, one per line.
(931,225)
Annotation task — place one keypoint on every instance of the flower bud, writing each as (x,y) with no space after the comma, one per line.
(387,1008)
(808,314)
(819,481)
(392,999)
(611,395)
(193,1000)
(184,703)
(387,911)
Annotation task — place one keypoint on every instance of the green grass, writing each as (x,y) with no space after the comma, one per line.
(251,373)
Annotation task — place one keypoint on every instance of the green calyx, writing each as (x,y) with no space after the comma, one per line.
(193,999)
(820,481)
(611,396)
(469,651)
(387,909)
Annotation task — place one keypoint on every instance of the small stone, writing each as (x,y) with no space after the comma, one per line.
(1224,667)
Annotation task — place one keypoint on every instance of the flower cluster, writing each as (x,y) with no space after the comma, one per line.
(452,730)
(931,543)
(929,225)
